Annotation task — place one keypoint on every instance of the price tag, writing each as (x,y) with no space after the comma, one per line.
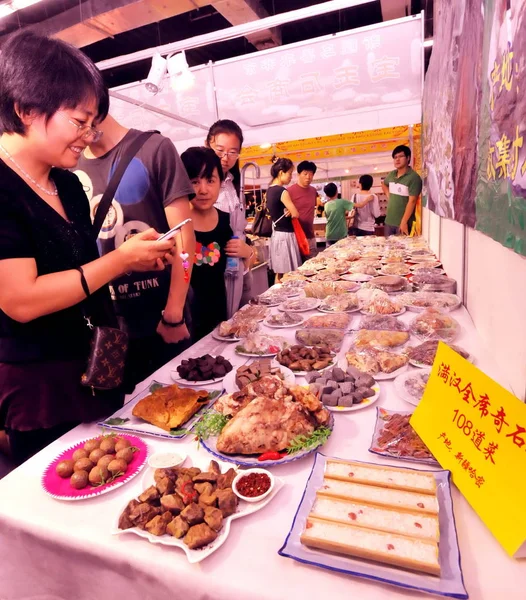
(477,430)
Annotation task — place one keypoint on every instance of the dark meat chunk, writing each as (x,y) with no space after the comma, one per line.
(142,513)
(205,477)
(214,468)
(165,486)
(204,488)
(150,494)
(157,526)
(177,527)
(185,489)
(167,516)
(213,518)
(227,501)
(173,503)
(193,514)
(192,472)
(199,536)
(170,473)
(225,480)
(124,521)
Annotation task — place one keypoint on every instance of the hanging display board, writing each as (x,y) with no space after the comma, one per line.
(474,132)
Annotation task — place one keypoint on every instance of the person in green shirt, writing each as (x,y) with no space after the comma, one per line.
(402,188)
(335,210)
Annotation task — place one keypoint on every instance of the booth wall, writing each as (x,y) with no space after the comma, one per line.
(494,290)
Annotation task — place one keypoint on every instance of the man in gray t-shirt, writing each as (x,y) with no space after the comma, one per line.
(152,193)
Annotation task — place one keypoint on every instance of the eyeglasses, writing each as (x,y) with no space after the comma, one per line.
(230,153)
(85,131)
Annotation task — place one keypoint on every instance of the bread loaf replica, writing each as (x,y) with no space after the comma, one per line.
(376,512)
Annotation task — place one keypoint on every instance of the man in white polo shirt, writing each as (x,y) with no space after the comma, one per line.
(402,188)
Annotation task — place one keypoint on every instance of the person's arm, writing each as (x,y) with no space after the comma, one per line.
(364,202)
(415,189)
(385,188)
(176,212)
(25,296)
(289,205)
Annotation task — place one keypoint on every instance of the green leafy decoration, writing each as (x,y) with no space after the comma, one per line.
(155,386)
(115,421)
(308,442)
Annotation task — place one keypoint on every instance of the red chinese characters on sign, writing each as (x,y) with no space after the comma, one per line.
(482,403)
(499,421)
(518,440)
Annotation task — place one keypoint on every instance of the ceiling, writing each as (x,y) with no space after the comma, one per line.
(110,28)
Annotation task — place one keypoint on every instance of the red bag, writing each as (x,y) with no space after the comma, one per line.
(301,238)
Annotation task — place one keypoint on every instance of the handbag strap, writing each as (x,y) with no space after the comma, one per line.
(107,198)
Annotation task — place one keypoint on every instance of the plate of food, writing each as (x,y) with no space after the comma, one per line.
(301,359)
(433,324)
(261,345)
(382,323)
(191,508)
(380,303)
(201,371)
(333,338)
(340,303)
(234,331)
(420,301)
(411,386)
(299,304)
(251,312)
(161,410)
(427,268)
(273,297)
(344,389)
(280,424)
(252,375)
(282,320)
(378,339)
(389,524)
(357,277)
(394,437)
(423,258)
(94,466)
(362,268)
(423,356)
(340,320)
(391,284)
(379,364)
(400,269)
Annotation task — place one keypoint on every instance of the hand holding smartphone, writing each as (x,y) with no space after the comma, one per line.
(170,234)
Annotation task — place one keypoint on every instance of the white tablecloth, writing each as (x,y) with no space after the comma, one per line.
(63,550)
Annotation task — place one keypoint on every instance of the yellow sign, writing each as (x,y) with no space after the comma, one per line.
(477,430)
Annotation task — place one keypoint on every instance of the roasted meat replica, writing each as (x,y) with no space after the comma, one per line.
(267,416)
(185,503)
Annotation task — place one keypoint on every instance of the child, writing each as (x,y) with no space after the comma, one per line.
(335,211)
(212,233)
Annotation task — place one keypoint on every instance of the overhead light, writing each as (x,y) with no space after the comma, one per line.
(428,43)
(19,4)
(266,146)
(375,169)
(347,170)
(5,9)
(156,75)
(181,78)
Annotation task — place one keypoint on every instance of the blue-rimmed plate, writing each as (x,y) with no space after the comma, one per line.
(252,460)
(123,419)
(449,584)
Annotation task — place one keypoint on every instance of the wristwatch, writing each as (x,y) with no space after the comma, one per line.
(168,324)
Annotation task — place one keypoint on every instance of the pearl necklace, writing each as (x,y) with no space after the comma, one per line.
(53,192)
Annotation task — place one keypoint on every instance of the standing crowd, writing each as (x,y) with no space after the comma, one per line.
(92,301)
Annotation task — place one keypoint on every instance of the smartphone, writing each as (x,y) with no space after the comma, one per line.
(170,234)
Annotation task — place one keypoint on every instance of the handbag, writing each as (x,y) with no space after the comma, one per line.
(262,226)
(301,238)
(109,345)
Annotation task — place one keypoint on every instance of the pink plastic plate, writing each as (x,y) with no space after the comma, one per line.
(59,488)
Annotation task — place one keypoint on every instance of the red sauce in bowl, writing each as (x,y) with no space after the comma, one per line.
(253,485)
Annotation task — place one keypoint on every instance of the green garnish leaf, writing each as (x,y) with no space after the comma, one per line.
(179,431)
(214,394)
(308,442)
(210,424)
(155,386)
(116,421)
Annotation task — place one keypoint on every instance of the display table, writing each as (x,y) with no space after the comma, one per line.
(64,550)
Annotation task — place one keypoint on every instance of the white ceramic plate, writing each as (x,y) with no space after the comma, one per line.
(356,277)
(432,265)
(330,312)
(404,274)
(221,338)
(399,384)
(393,375)
(363,404)
(274,326)
(194,556)
(230,386)
(185,382)
(312,304)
